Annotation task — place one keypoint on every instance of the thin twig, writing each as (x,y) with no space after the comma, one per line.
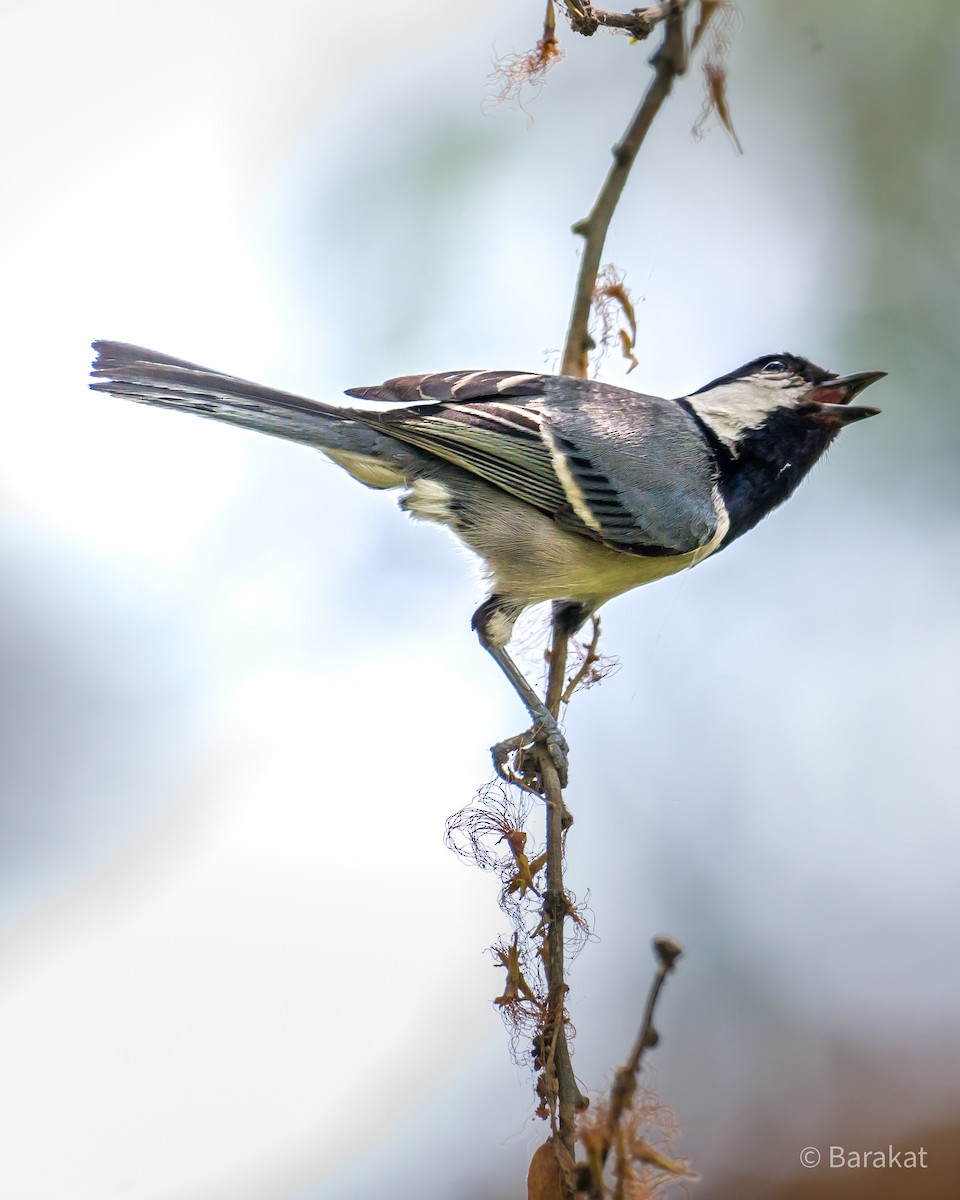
(669,61)
(625,1080)
(590,656)
(556,909)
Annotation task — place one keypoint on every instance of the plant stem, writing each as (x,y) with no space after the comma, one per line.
(668,62)
(556,909)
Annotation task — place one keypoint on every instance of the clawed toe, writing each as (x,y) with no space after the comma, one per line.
(542,735)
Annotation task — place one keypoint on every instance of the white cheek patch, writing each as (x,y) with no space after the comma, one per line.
(733,408)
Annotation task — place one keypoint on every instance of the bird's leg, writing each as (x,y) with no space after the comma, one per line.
(493,619)
(568,616)
(545,728)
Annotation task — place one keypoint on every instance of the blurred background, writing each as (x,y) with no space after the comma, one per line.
(239,695)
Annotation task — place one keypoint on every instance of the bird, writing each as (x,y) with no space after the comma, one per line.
(569,490)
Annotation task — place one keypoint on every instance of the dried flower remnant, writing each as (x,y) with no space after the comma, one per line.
(517,989)
(630,1156)
(527,869)
(514,71)
(482,830)
(715,28)
(614,315)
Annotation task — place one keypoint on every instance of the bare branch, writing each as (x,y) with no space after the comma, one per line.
(638,22)
(668,952)
(556,909)
(620,1124)
(535,992)
(669,61)
(625,1082)
(590,659)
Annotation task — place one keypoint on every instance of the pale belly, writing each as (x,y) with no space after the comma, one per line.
(530,559)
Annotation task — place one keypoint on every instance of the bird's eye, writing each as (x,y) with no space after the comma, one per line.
(775,364)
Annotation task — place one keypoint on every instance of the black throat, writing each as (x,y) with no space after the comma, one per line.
(769,463)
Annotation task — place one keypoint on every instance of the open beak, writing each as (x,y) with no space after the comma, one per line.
(834,396)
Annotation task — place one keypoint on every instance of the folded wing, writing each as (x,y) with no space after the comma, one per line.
(632,471)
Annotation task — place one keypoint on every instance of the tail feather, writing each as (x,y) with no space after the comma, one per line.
(158,379)
(148,377)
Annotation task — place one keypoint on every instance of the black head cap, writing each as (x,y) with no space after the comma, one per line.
(774,364)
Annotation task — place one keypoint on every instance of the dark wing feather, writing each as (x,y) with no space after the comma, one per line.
(495,438)
(452,385)
(497,442)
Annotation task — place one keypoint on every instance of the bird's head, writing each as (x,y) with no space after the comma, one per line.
(770,421)
(780,391)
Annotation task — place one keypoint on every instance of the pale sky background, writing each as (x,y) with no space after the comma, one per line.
(239,695)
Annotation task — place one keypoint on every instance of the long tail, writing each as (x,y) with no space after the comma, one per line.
(152,378)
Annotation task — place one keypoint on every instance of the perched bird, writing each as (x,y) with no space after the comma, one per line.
(568,489)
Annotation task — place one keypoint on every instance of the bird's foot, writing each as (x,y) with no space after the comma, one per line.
(525,748)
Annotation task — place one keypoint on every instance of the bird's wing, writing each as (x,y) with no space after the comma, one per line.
(509,429)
